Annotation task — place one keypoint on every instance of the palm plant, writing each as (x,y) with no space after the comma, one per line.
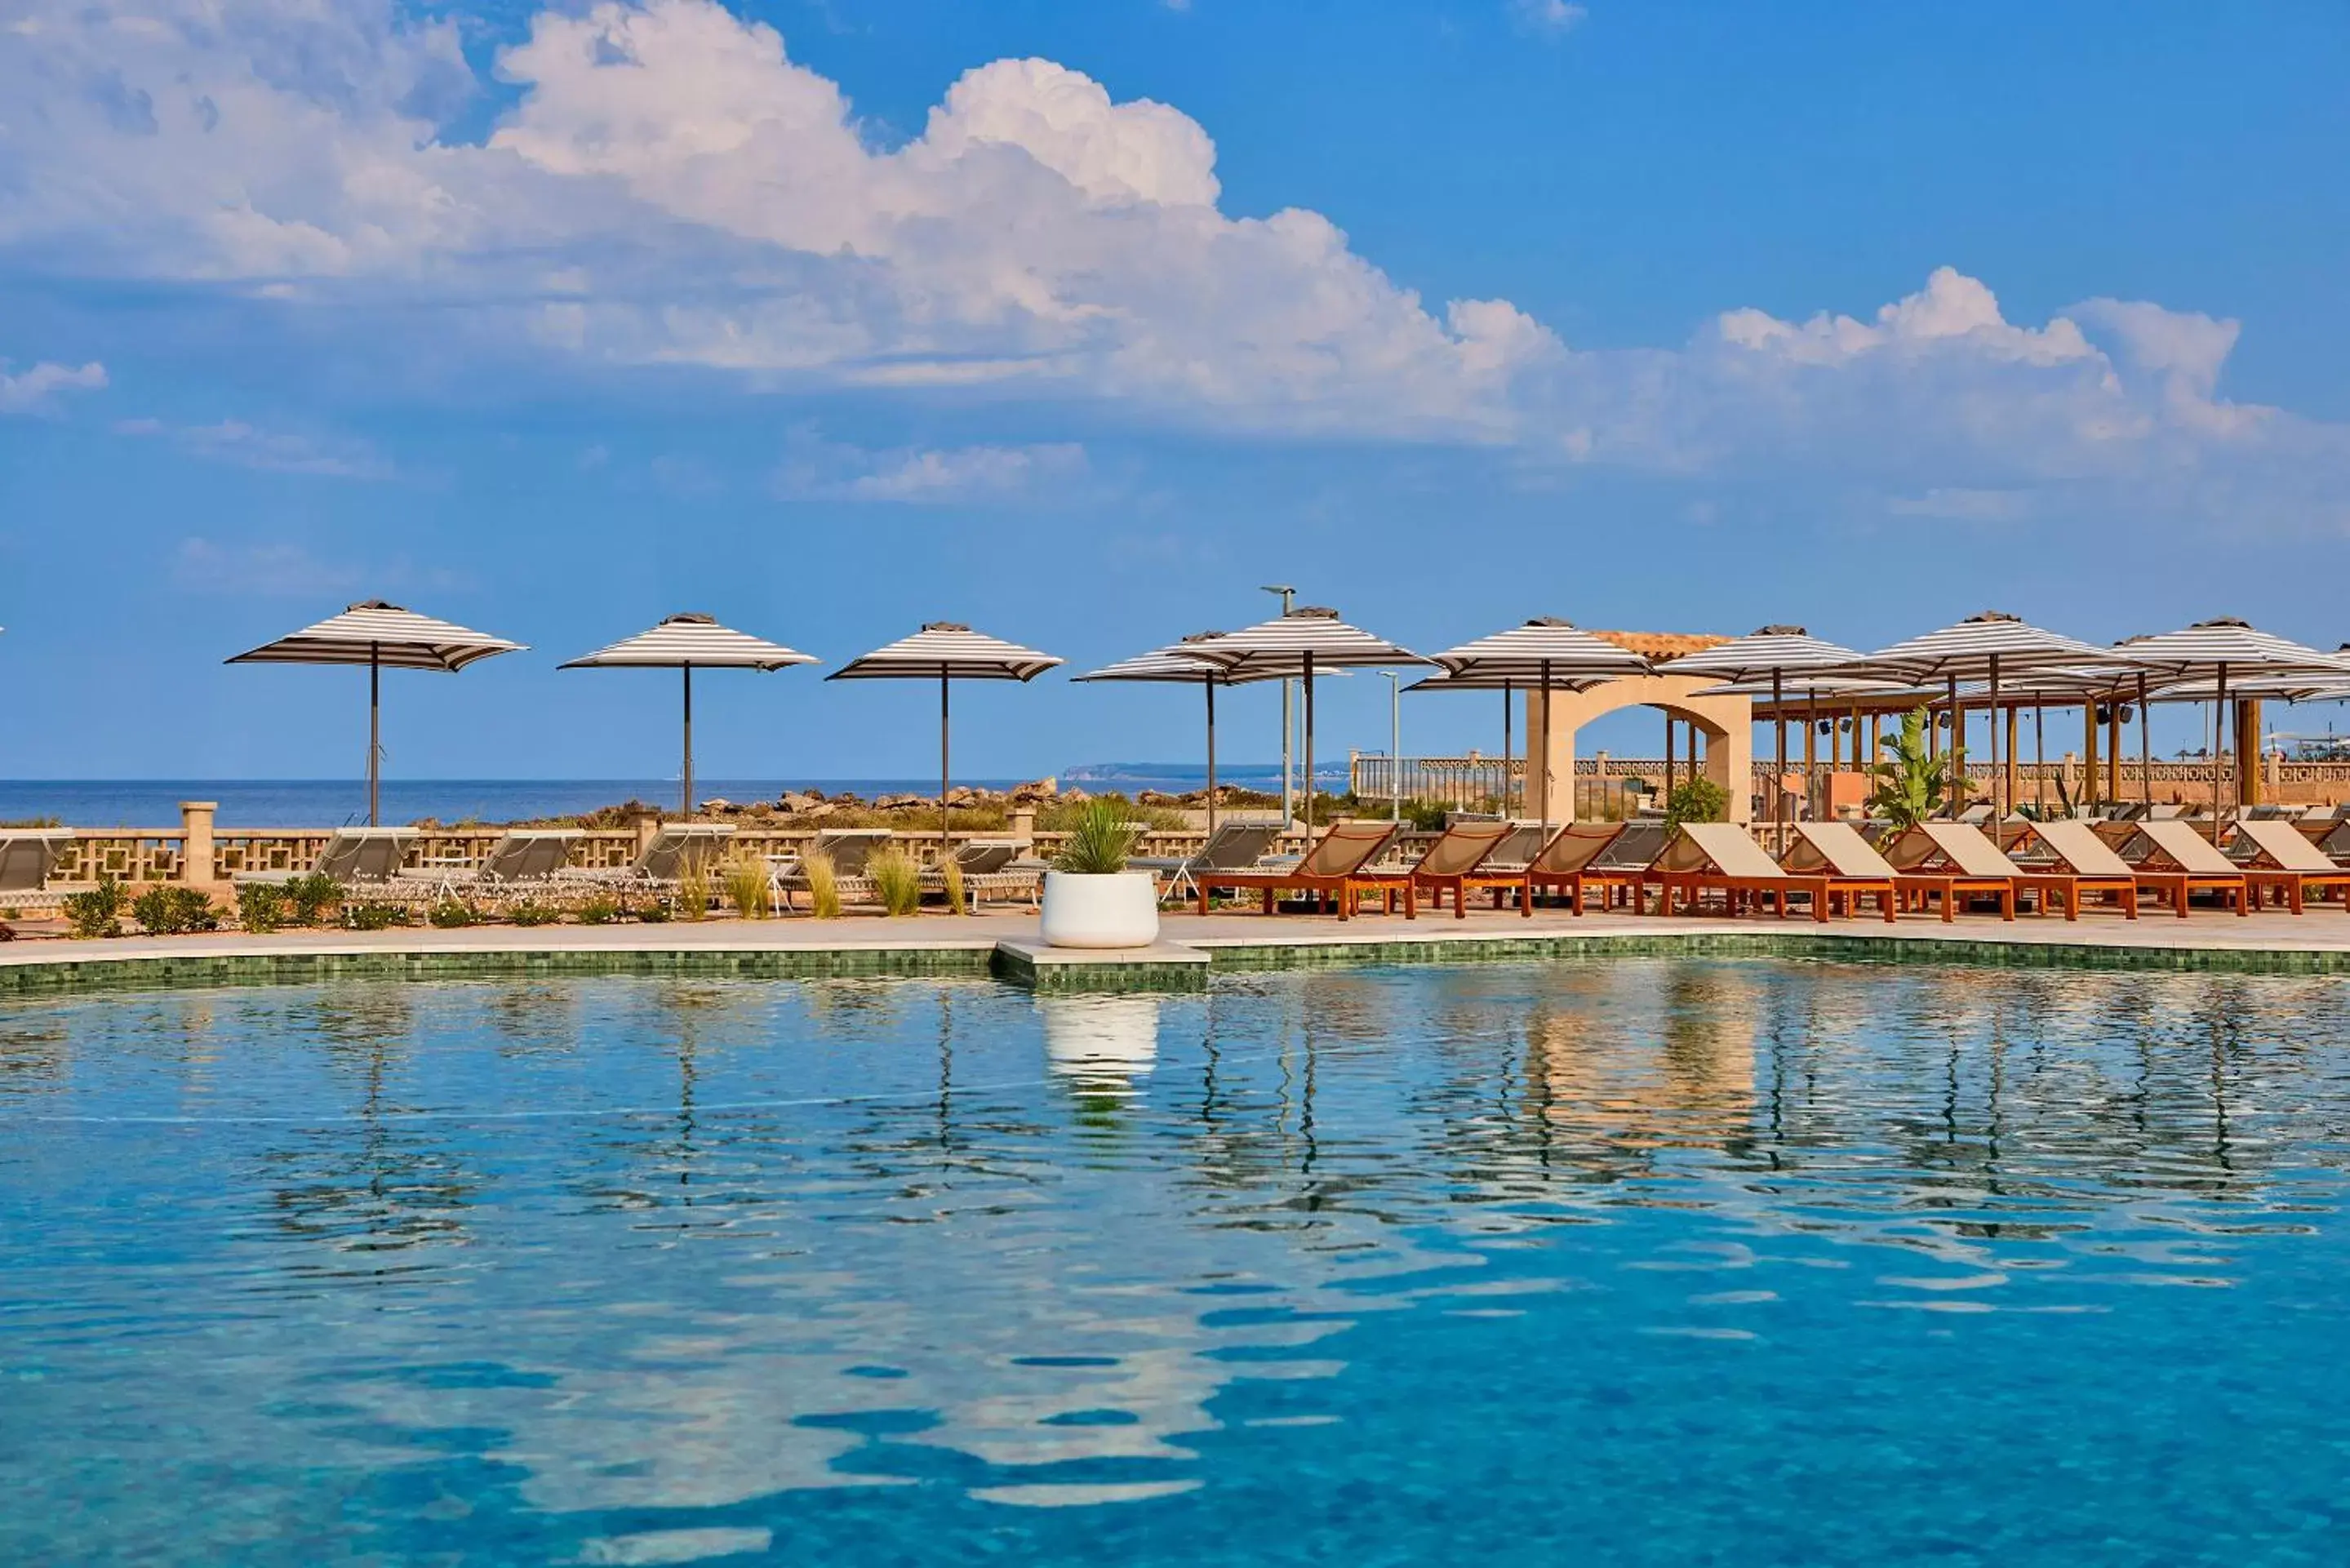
(1101,838)
(1911,781)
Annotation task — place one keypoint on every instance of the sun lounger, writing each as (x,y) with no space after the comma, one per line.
(2079,849)
(1853,868)
(2282,860)
(1233,846)
(351,856)
(677,848)
(525,858)
(847,849)
(1333,868)
(1517,851)
(1957,860)
(991,866)
(2177,849)
(1452,863)
(1719,858)
(28,855)
(1584,855)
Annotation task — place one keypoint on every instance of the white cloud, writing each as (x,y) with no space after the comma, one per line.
(242,446)
(816,469)
(1554,17)
(667,186)
(35,390)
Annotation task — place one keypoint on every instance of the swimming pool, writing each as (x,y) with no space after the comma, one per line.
(1626,1259)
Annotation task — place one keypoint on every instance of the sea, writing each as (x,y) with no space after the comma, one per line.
(330,803)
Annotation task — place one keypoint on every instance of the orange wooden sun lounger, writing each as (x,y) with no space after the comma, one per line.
(1853,868)
(2175,851)
(1955,860)
(1334,865)
(2077,847)
(1716,857)
(1452,862)
(1579,859)
(2280,850)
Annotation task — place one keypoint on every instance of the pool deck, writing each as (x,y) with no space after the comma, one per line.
(1004,945)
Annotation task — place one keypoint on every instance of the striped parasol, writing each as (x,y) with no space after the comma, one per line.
(684,643)
(1181,664)
(1980,647)
(1508,686)
(381,636)
(2214,650)
(1542,654)
(1293,646)
(947,651)
(1769,654)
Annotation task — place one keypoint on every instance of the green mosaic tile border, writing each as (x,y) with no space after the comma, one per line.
(1064,979)
(1826,948)
(300,968)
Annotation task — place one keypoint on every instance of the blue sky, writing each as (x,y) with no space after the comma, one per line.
(1078,321)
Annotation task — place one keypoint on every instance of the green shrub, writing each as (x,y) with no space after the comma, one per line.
(530,912)
(451,913)
(655,913)
(166,910)
(260,906)
(897,878)
(311,894)
(601,909)
(373,917)
(97,913)
(824,884)
(1101,838)
(1696,800)
(746,889)
(693,890)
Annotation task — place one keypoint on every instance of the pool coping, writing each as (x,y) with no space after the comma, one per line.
(1174,965)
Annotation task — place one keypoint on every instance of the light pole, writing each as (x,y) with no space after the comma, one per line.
(1395,745)
(1288,812)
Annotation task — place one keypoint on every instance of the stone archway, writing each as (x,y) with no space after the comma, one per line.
(1726,722)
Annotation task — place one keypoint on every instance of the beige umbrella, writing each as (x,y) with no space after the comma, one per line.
(947,651)
(1182,663)
(685,642)
(381,636)
(1296,644)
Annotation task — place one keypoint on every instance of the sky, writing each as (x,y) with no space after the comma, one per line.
(1078,321)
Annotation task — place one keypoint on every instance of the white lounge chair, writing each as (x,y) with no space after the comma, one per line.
(351,856)
(676,847)
(28,855)
(525,858)
(1233,846)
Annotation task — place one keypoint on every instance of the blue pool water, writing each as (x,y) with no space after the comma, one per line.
(1614,1262)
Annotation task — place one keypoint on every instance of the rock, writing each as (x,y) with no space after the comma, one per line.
(797,801)
(720,805)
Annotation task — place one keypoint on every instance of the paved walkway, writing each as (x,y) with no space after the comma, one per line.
(2324,930)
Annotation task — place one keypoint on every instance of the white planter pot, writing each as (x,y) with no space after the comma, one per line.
(1119,910)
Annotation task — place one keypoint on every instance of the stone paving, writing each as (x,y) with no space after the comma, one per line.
(2318,941)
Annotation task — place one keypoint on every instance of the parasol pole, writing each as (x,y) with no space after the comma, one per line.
(2145,746)
(1509,783)
(1991,718)
(685,805)
(1779,779)
(1309,742)
(1957,744)
(946,835)
(2218,733)
(375,729)
(1209,685)
(2040,761)
(1547,749)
